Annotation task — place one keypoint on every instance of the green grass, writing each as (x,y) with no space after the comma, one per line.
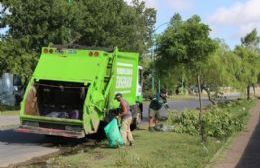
(9,113)
(219,121)
(240,108)
(9,110)
(151,150)
(158,149)
(219,155)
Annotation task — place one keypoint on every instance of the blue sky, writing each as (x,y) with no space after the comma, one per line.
(228,19)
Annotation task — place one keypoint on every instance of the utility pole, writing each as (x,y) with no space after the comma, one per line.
(153,70)
(203,139)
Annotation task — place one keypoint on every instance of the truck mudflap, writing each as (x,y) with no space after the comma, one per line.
(50,131)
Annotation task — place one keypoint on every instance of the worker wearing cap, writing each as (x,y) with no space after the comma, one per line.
(126,116)
(155,107)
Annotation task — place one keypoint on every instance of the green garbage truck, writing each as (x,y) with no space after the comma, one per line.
(72,91)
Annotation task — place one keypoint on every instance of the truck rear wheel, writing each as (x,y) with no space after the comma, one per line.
(100,134)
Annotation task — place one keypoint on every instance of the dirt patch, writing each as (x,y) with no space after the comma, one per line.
(245,149)
(65,150)
(98,155)
(40,162)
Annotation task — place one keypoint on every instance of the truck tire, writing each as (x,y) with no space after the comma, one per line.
(100,134)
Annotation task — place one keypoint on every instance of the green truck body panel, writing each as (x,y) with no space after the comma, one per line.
(103,74)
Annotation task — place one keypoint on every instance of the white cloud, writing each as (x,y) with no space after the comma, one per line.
(243,16)
(149,3)
(180,5)
(152,3)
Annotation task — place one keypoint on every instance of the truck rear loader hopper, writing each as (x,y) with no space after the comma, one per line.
(72,91)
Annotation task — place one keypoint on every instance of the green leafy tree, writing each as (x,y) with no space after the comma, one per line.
(220,70)
(15,59)
(40,22)
(248,71)
(91,23)
(146,63)
(186,44)
(251,42)
(183,49)
(34,24)
(119,24)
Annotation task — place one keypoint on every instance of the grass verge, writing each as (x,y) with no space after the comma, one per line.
(219,154)
(157,149)
(218,121)
(9,110)
(9,113)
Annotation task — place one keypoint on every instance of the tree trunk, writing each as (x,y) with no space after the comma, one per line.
(210,98)
(203,139)
(248,92)
(253,85)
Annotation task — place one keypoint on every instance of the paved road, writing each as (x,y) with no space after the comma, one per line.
(181,105)
(8,120)
(178,105)
(17,147)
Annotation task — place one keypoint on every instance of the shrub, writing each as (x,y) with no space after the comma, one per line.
(186,122)
(219,122)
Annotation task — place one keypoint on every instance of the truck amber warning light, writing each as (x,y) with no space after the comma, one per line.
(59,51)
(91,53)
(48,51)
(45,51)
(96,54)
